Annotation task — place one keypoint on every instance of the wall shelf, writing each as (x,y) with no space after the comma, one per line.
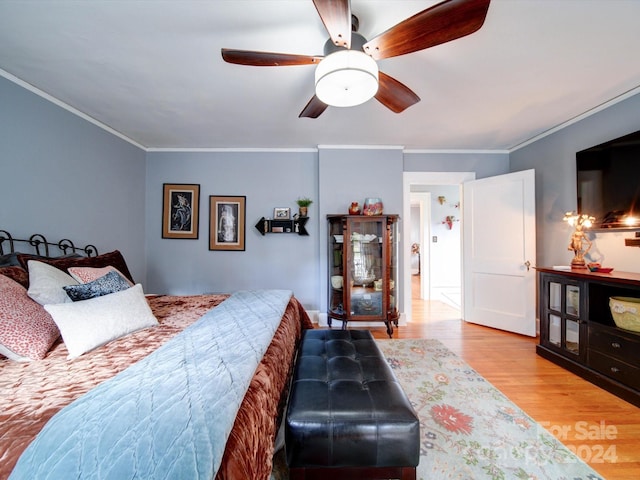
(297,225)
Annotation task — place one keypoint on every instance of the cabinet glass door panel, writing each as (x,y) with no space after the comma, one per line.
(555,330)
(393,273)
(572,336)
(573,300)
(366,249)
(336,274)
(365,261)
(555,296)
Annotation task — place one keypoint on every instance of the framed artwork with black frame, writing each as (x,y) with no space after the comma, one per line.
(227,222)
(180,210)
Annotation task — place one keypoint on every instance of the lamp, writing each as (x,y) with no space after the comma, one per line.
(579,238)
(346,78)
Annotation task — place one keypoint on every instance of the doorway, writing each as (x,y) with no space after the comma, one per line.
(436,242)
(437,231)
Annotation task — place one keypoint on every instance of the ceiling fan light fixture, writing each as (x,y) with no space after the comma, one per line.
(346,78)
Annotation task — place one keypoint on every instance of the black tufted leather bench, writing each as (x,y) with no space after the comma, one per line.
(347,412)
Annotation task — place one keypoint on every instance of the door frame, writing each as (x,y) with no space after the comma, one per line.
(423,178)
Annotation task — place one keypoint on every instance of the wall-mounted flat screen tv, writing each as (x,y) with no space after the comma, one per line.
(608,177)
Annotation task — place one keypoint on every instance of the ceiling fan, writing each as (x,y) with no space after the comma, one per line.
(347,74)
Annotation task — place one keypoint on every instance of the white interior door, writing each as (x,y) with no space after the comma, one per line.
(499,237)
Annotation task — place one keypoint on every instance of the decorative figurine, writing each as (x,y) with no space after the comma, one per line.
(580,243)
(449,221)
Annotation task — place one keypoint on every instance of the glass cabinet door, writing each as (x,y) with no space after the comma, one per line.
(394,249)
(563,329)
(364,270)
(336,274)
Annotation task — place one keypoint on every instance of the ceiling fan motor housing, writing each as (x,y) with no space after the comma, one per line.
(346,77)
(357,42)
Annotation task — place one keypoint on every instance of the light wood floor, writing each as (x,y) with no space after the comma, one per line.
(603,429)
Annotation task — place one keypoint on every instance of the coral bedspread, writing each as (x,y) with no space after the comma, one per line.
(31,393)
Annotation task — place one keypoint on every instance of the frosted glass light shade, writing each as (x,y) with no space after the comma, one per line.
(346,78)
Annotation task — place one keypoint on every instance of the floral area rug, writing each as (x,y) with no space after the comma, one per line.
(468,428)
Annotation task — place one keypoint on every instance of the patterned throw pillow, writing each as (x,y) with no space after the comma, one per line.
(89,274)
(110,283)
(27,331)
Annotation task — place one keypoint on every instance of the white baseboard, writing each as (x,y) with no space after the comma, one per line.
(313,315)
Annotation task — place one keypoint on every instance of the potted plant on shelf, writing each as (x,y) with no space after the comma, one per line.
(303,205)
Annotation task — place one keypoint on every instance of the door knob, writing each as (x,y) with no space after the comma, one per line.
(527,264)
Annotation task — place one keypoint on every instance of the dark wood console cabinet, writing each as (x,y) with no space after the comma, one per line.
(578,333)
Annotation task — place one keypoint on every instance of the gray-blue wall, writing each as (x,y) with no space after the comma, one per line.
(484,164)
(64,177)
(554,159)
(268,179)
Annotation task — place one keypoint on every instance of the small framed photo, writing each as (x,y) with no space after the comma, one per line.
(281,213)
(227,223)
(180,210)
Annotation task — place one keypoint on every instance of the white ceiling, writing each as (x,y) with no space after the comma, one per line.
(152,70)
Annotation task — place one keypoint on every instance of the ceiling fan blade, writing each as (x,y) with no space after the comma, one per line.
(439,24)
(267,59)
(336,16)
(394,95)
(314,108)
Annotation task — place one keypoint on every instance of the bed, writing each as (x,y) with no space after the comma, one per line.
(198,394)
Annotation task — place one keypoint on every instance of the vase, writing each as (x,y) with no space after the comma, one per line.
(372,206)
(303,211)
(354,209)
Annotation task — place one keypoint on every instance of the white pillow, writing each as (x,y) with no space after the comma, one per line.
(88,324)
(46,282)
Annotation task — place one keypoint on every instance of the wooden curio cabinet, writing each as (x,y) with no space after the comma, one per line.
(363,269)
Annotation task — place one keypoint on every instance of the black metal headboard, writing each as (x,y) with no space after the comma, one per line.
(42,246)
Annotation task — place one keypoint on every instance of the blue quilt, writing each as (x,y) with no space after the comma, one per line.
(169,415)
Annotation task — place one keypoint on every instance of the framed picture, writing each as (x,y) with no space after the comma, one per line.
(281,213)
(180,210)
(226,223)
